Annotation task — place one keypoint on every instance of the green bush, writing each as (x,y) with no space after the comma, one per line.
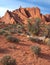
(19,29)
(37,21)
(36,50)
(13,25)
(12,39)
(34,28)
(34,39)
(6,28)
(30,20)
(6,34)
(19,32)
(28,33)
(44,30)
(48,28)
(13,31)
(8,60)
(2,31)
(29,26)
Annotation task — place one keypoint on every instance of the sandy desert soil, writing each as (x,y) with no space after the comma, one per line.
(22,51)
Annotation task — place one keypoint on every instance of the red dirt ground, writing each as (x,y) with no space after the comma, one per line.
(22,51)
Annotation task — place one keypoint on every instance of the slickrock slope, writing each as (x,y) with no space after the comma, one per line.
(21,15)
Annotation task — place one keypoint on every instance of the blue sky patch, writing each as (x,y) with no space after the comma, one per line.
(44,5)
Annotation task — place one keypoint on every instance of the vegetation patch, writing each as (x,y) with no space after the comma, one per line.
(13,31)
(36,50)
(7,60)
(47,41)
(2,31)
(34,28)
(34,39)
(6,34)
(12,39)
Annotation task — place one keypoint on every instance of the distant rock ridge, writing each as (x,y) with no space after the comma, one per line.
(21,15)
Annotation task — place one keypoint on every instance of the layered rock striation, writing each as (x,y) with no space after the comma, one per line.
(22,15)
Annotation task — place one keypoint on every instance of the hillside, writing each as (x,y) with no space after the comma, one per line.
(25,36)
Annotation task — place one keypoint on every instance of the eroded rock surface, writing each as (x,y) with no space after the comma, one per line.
(21,15)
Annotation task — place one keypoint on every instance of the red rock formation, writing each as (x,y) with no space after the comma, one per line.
(10,18)
(47,16)
(21,15)
(7,17)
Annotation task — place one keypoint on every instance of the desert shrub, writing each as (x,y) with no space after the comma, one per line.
(48,43)
(12,39)
(29,26)
(19,28)
(36,50)
(6,28)
(44,32)
(6,34)
(48,28)
(19,32)
(13,25)
(13,31)
(29,20)
(37,21)
(34,39)
(37,25)
(28,33)
(8,60)
(2,31)
(10,26)
(34,28)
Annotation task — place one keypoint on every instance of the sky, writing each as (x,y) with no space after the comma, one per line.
(44,5)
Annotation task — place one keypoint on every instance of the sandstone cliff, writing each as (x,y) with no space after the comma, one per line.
(21,15)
